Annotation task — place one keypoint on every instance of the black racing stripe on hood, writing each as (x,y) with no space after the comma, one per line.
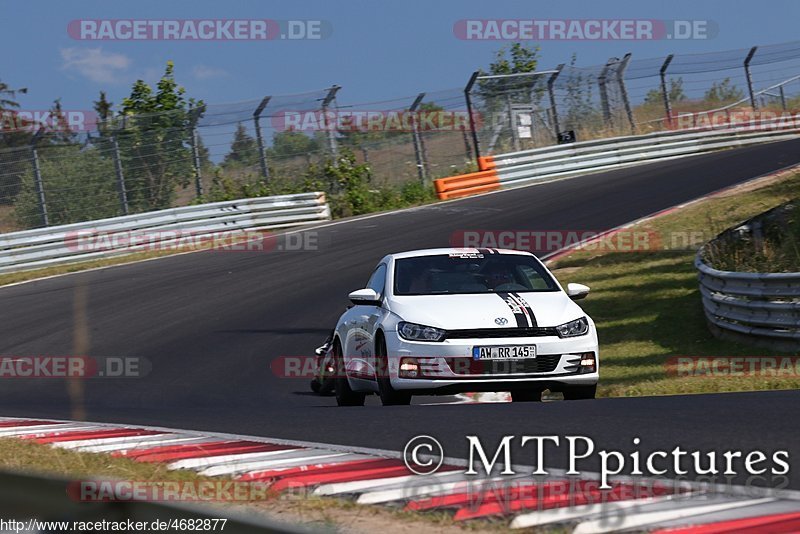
(519,314)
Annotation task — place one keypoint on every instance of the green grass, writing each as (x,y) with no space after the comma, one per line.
(327,513)
(647,303)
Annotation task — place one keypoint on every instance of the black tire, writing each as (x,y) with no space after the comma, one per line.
(344,395)
(328,386)
(315,385)
(526,395)
(389,395)
(580,392)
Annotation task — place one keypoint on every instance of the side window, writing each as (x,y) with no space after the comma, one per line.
(378,280)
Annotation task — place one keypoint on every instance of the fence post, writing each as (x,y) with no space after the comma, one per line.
(194,115)
(365,153)
(467,147)
(664,92)
(37,178)
(624,91)
(121,190)
(550,82)
(783,97)
(422,170)
(601,82)
(467,89)
(749,78)
(262,153)
(332,148)
(512,121)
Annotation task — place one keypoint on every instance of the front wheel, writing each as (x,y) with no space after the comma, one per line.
(389,395)
(580,392)
(345,396)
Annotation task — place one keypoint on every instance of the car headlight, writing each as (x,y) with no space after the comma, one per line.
(418,332)
(578,327)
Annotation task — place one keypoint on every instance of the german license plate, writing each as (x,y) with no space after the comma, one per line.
(504,352)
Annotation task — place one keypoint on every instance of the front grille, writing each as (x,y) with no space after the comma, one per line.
(545,363)
(525,331)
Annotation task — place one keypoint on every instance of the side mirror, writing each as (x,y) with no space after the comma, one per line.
(577,291)
(364,297)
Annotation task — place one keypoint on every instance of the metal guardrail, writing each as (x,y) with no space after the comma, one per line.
(763,307)
(519,168)
(590,156)
(55,245)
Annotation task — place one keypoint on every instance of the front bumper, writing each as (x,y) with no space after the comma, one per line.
(448,367)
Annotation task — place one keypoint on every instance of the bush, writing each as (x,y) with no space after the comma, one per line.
(79,185)
(346,184)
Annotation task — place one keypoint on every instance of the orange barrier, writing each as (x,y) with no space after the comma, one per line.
(486,163)
(466,184)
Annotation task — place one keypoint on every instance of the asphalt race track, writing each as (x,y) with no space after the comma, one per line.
(209,323)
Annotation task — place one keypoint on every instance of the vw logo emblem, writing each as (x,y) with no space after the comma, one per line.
(500,321)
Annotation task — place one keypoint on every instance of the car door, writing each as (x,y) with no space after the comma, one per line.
(361,323)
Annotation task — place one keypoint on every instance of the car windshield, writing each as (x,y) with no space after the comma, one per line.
(470,273)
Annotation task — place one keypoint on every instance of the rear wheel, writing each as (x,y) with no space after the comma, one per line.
(580,392)
(345,396)
(526,395)
(389,395)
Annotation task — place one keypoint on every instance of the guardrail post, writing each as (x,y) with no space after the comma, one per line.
(601,82)
(262,153)
(664,92)
(467,90)
(550,82)
(37,178)
(749,78)
(624,91)
(331,135)
(194,115)
(422,170)
(121,190)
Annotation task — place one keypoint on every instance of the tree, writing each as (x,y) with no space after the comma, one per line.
(516,58)
(580,108)
(674,92)
(79,185)
(103,108)
(291,143)
(723,91)
(58,130)
(12,135)
(8,96)
(154,141)
(244,149)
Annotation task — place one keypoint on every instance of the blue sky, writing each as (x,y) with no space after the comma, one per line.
(377,50)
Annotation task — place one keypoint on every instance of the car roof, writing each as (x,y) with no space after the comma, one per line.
(464,250)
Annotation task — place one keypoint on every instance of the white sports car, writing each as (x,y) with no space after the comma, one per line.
(446,321)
